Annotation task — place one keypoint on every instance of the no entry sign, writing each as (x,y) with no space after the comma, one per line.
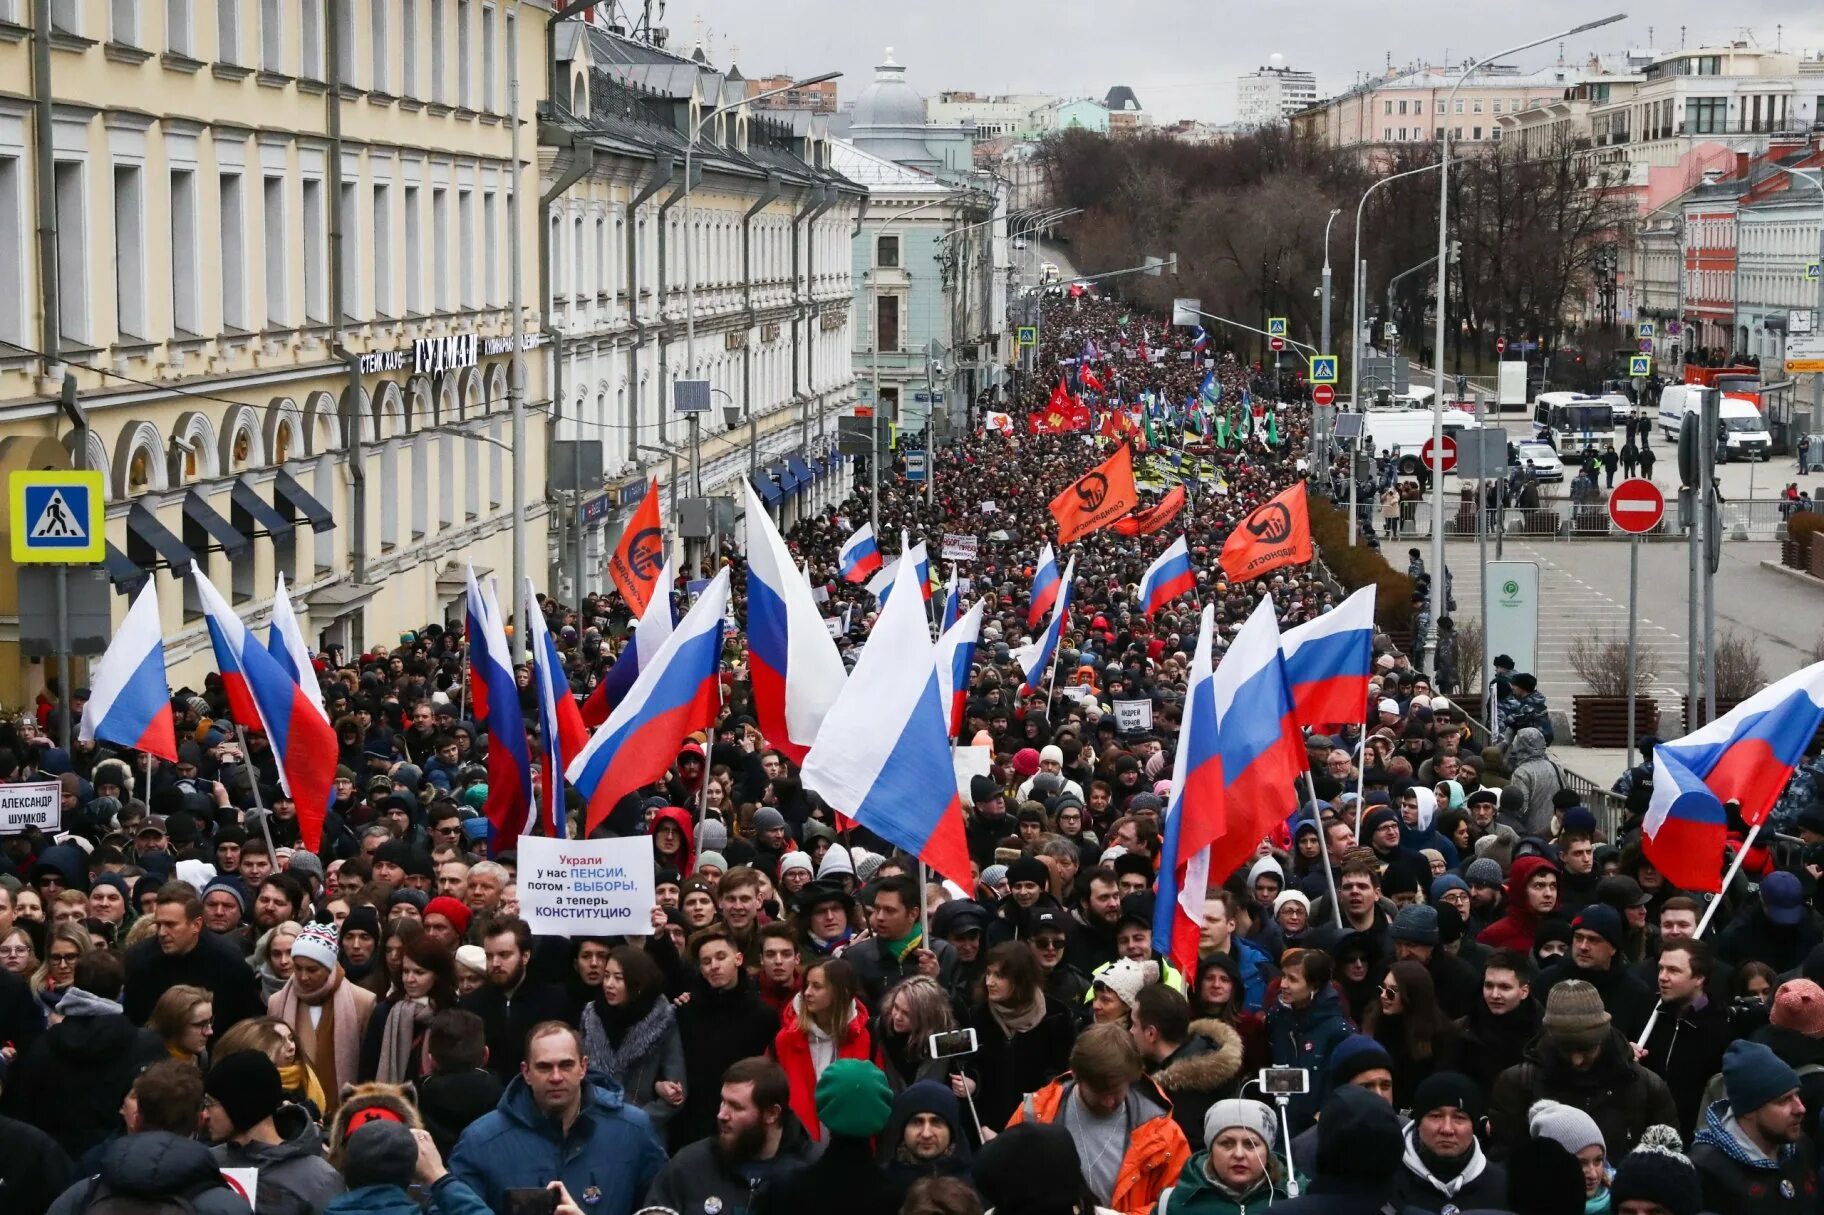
(1323,394)
(1439,455)
(1636,505)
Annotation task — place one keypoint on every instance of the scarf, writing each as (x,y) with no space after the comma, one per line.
(79,1003)
(1018,1020)
(1424,1164)
(904,945)
(298,1078)
(396,1039)
(636,1041)
(333,1048)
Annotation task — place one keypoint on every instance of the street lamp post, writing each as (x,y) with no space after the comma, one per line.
(1355,322)
(1437,355)
(1322,438)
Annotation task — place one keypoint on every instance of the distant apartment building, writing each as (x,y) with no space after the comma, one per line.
(1273,93)
(814,98)
(991,116)
(1411,107)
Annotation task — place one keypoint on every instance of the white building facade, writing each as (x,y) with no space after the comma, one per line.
(1270,95)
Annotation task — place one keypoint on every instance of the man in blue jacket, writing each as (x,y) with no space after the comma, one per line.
(558,1121)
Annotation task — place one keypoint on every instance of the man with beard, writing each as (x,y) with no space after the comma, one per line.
(276,900)
(756,1135)
(1503,1021)
(924,1138)
(1097,922)
(723,1021)
(510,1004)
(1485,879)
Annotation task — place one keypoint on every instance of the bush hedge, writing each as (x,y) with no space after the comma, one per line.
(1360,566)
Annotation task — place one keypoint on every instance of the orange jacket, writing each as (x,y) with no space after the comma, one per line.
(1156,1151)
(792,1050)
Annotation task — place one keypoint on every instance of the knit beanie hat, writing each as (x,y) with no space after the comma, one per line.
(1029,869)
(994,875)
(472,958)
(1658,1171)
(1125,977)
(1354,1055)
(712,858)
(380,1152)
(1447,1090)
(317,943)
(1026,761)
(767,818)
(712,836)
(853,1098)
(1264,866)
(1030,1167)
(1574,1016)
(796,860)
(1565,1125)
(362,919)
(1051,753)
(305,865)
(405,894)
(867,864)
(836,861)
(454,910)
(1484,871)
(1416,923)
(230,886)
(1444,883)
(1292,896)
(1605,922)
(246,1085)
(1799,1006)
(1753,1075)
(1242,1112)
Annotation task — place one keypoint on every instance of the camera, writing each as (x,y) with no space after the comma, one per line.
(953,1042)
(1285,1081)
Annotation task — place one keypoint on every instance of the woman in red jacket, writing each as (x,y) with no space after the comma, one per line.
(823,1023)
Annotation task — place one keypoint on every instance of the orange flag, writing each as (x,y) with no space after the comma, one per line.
(640,556)
(1097,498)
(1275,533)
(1150,520)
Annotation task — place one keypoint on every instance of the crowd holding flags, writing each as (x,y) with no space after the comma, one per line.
(796,671)
(128,700)
(560,723)
(859,559)
(494,694)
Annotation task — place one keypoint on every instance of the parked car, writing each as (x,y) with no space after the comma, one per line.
(1537,461)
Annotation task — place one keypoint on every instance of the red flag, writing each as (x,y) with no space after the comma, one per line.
(1153,518)
(1091,379)
(1060,396)
(1275,533)
(640,555)
(1097,498)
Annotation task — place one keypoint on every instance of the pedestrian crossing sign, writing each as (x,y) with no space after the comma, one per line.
(1029,335)
(1644,329)
(1323,369)
(1276,326)
(1640,366)
(57,517)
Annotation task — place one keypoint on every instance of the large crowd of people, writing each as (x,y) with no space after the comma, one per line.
(1442,985)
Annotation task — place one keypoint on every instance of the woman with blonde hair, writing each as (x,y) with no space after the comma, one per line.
(185,1018)
(271,958)
(273,1038)
(57,974)
(911,1012)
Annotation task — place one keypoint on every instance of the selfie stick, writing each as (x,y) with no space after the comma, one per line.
(1284,1101)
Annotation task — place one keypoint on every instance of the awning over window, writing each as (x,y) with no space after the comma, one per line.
(198,510)
(782,472)
(770,493)
(253,514)
(800,469)
(150,542)
(303,501)
(126,577)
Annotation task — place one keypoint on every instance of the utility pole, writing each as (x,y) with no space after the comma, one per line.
(516,367)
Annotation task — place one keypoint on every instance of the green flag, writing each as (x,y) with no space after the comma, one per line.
(1123,321)
(1222,431)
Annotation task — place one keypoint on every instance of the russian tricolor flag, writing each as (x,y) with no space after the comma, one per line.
(1747,755)
(1044,587)
(129,701)
(560,724)
(1036,655)
(796,669)
(885,581)
(494,691)
(1167,578)
(953,602)
(285,641)
(955,657)
(1200,339)
(654,627)
(1329,661)
(301,737)
(860,556)
(1239,752)
(883,755)
(679,693)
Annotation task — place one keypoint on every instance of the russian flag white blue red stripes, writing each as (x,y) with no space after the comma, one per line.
(560,724)
(285,641)
(859,559)
(1747,755)
(1035,656)
(494,692)
(1239,754)
(883,755)
(884,581)
(955,655)
(953,602)
(677,694)
(796,669)
(1200,339)
(301,737)
(1329,661)
(655,625)
(1044,587)
(1167,578)
(129,700)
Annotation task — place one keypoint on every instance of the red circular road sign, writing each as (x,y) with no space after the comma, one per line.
(1500,345)
(1323,394)
(1636,505)
(1439,459)
(1277,343)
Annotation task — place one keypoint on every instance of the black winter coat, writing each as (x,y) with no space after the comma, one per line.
(846,1179)
(1622,1097)
(71,1081)
(718,1028)
(1006,1069)
(509,1020)
(33,1169)
(214,965)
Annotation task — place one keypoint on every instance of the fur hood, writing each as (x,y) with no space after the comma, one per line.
(1209,1070)
(363,1102)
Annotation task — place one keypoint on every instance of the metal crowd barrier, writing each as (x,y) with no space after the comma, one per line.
(1762,519)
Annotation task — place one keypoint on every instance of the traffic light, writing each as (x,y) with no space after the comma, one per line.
(1456,251)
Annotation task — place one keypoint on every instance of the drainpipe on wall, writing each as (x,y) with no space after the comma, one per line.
(774,182)
(664,172)
(350,410)
(50,332)
(823,196)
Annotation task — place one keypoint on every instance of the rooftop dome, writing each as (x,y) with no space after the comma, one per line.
(889,101)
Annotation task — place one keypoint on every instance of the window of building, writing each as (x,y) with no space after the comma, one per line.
(124,28)
(470,248)
(579,255)
(465,53)
(1439,135)
(350,262)
(445,298)
(345,45)
(408,47)
(12,250)
(316,260)
(887,332)
(1477,133)
(1459,106)
(1401,109)
(886,254)
(1497,105)
(1386,134)
(233,233)
(414,253)
(603,265)
(384,303)
(272,35)
(180,39)
(436,47)
(446,481)
(186,287)
(228,31)
(273,237)
(487,58)
(310,39)
(421,476)
(379,45)
(1475,105)
(129,252)
(1387,107)
(490,258)
(66,16)
(1706,115)
(389,502)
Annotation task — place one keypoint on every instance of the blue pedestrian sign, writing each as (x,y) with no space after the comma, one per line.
(1644,330)
(1276,326)
(1323,369)
(1640,366)
(57,517)
(1029,335)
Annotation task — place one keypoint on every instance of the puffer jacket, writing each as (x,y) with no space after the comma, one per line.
(1537,778)
(156,1164)
(294,1176)
(1740,1179)
(1200,1072)
(71,1081)
(1304,1037)
(449,1196)
(1156,1149)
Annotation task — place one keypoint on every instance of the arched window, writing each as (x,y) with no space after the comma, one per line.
(139,472)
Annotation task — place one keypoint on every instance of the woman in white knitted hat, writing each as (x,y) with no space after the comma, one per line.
(1237,1170)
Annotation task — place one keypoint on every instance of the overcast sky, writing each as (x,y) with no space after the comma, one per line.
(1182,56)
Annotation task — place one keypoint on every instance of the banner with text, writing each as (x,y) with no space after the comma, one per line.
(586,888)
(960,548)
(37,805)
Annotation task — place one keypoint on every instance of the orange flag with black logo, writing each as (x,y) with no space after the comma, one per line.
(1097,498)
(1275,533)
(640,556)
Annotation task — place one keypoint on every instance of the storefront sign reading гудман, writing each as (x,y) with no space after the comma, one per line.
(429,356)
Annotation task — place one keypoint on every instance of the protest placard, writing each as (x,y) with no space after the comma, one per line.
(586,888)
(1133,716)
(39,804)
(960,548)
